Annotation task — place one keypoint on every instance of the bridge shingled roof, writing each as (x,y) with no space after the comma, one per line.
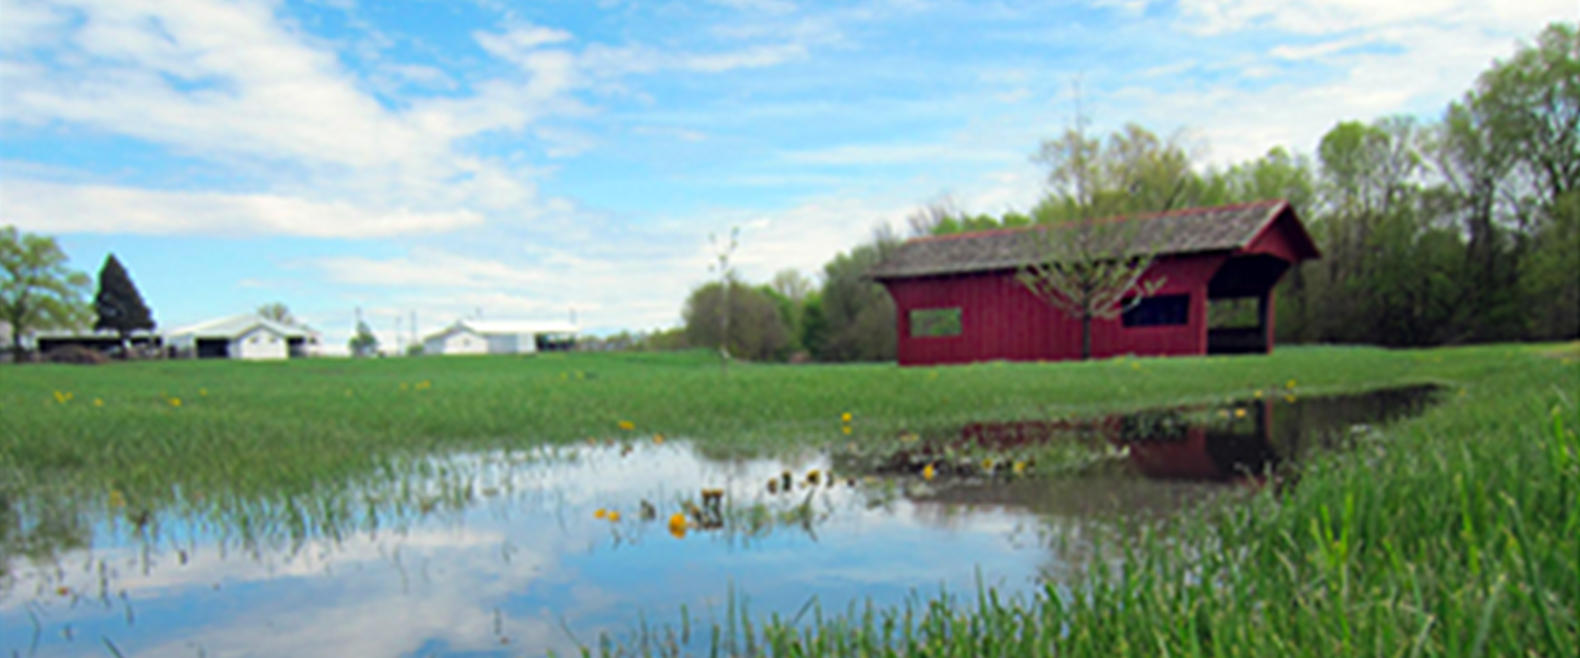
(1197,230)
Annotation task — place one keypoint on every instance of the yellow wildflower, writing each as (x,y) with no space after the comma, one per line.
(62,397)
(175,402)
(1258,394)
(1290,399)
(1135,365)
(203,392)
(845,429)
(987,464)
(1289,384)
(627,425)
(1019,468)
(614,516)
(600,513)
(929,472)
(845,417)
(98,402)
(1239,413)
(678,525)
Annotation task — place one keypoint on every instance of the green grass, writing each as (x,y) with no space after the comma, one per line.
(262,426)
(1453,534)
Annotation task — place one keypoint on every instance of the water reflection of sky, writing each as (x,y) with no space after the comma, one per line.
(521,569)
(521,564)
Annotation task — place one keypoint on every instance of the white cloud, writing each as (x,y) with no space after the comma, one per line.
(1331,16)
(58,208)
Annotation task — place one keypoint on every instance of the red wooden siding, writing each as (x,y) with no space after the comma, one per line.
(1001,319)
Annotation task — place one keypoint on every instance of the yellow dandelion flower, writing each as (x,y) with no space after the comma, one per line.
(1019,468)
(175,402)
(627,425)
(600,513)
(929,472)
(98,402)
(614,516)
(1239,413)
(1258,394)
(678,525)
(845,429)
(1289,384)
(845,417)
(203,392)
(61,397)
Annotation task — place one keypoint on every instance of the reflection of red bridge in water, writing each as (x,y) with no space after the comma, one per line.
(1201,443)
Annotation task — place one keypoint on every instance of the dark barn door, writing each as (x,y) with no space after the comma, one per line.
(1239,305)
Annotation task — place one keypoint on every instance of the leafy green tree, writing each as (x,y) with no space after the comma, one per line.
(1531,105)
(363,343)
(278,312)
(814,326)
(119,305)
(1134,171)
(857,313)
(37,289)
(1549,279)
(756,330)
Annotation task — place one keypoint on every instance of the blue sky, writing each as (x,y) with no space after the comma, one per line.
(525,159)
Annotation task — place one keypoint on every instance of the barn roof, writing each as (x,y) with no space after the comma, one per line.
(504,327)
(1197,230)
(238,325)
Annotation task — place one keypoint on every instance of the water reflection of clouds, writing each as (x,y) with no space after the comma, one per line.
(519,564)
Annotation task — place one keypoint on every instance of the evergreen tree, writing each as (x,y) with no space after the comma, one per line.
(119,306)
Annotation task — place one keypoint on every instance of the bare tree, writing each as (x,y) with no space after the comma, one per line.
(723,253)
(925,220)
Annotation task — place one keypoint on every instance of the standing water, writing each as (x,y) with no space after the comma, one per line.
(525,553)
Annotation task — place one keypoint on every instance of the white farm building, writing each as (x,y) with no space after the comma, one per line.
(498,337)
(245,336)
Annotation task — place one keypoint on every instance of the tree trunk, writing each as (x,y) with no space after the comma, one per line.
(1086,336)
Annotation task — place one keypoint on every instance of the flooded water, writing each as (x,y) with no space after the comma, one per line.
(519,554)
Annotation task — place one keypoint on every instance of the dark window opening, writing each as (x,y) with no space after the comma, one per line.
(933,322)
(555,342)
(1159,312)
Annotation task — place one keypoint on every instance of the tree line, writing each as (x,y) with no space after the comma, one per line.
(1461,229)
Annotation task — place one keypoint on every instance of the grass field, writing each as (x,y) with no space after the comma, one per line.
(1456,534)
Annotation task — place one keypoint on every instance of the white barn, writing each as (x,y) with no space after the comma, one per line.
(495,337)
(245,336)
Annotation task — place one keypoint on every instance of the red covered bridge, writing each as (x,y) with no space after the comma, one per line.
(958,299)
